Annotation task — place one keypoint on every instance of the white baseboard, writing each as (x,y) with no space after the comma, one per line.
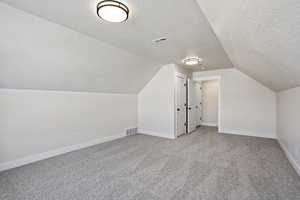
(209,124)
(52,153)
(290,157)
(162,135)
(246,133)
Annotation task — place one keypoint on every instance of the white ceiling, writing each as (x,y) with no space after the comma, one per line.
(188,32)
(38,54)
(261,37)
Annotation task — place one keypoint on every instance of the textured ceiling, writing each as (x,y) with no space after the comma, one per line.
(187,30)
(261,37)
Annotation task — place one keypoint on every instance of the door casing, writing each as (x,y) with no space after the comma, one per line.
(182,112)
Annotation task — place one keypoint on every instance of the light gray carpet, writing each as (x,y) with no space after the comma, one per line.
(204,165)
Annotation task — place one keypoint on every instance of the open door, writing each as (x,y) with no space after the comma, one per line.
(198,102)
(192,104)
(180,104)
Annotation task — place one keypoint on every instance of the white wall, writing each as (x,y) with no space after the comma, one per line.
(52,59)
(156,103)
(33,122)
(182,70)
(247,107)
(210,91)
(288,126)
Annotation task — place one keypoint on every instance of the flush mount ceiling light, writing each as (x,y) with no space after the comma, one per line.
(112,11)
(192,60)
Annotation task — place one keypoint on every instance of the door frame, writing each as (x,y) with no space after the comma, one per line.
(184,76)
(218,78)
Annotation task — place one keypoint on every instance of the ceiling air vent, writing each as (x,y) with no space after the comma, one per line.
(158,40)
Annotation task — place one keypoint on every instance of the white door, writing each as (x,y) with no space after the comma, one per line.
(180,105)
(198,102)
(192,99)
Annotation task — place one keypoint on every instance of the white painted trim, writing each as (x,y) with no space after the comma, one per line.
(219,103)
(45,155)
(247,133)
(183,76)
(209,124)
(145,132)
(180,75)
(207,78)
(290,157)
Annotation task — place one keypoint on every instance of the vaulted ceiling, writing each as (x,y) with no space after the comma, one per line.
(183,23)
(37,54)
(261,37)
(39,50)
(63,45)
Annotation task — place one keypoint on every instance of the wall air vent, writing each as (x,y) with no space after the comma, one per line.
(131,131)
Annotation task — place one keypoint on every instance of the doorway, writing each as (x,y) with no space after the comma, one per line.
(210,104)
(206,121)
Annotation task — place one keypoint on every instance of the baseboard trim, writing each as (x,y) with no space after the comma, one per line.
(246,133)
(208,124)
(45,155)
(146,132)
(290,157)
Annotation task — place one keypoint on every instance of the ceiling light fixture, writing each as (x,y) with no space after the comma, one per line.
(192,60)
(112,11)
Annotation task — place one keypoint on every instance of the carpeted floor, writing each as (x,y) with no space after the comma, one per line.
(203,165)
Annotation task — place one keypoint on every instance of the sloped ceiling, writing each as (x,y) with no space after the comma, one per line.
(261,37)
(187,30)
(38,54)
